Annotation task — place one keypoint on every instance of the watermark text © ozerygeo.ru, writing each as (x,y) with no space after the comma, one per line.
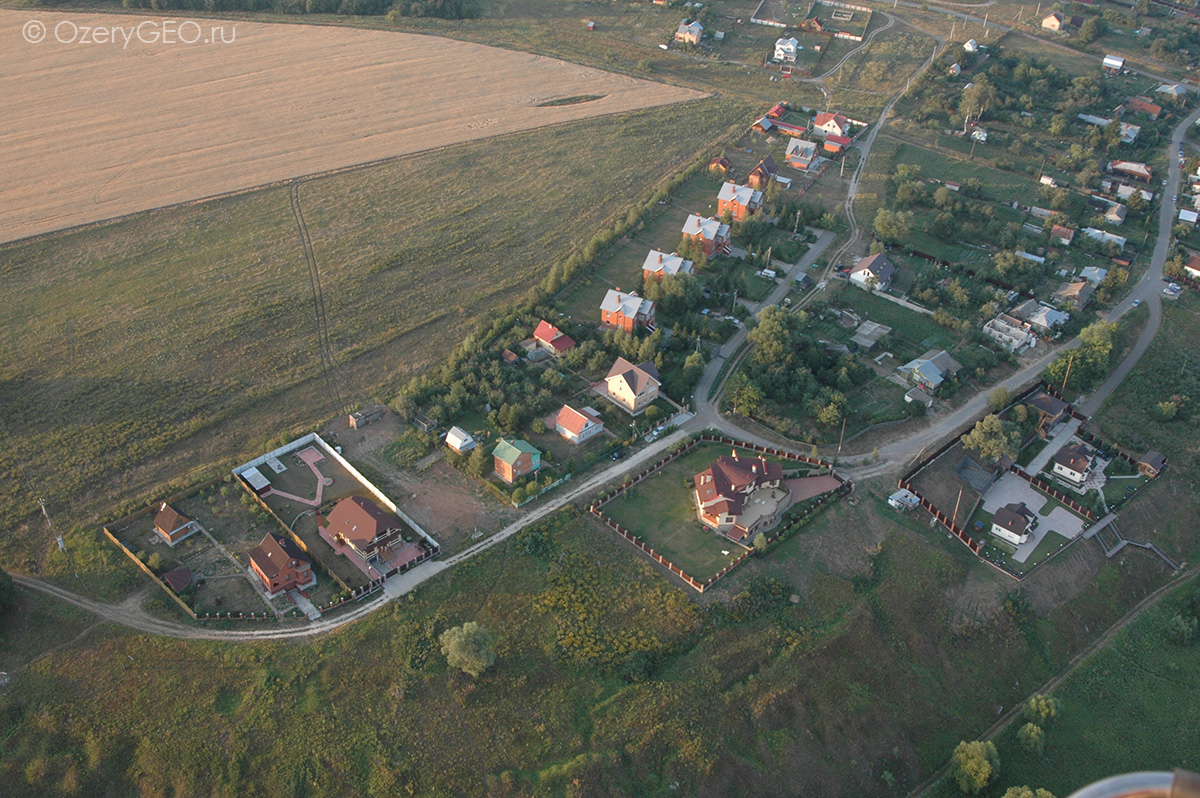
(160,31)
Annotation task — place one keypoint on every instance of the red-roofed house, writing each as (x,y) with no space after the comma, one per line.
(1142,105)
(739,201)
(1063,235)
(551,338)
(577,426)
(836,143)
(180,579)
(281,566)
(371,538)
(720,165)
(831,124)
(739,496)
(172,525)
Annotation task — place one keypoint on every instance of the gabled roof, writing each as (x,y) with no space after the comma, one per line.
(934,366)
(274,554)
(574,421)
(879,265)
(825,118)
(359,521)
(509,450)
(670,265)
(1064,233)
(1093,274)
(1046,403)
(553,337)
(705,226)
(1014,517)
(1156,460)
(636,377)
(170,520)
(460,439)
(766,167)
(789,43)
(841,141)
(742,195)
(1171,89)
(1076,457)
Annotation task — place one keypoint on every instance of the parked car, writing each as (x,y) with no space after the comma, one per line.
(1136,302)
(618,454)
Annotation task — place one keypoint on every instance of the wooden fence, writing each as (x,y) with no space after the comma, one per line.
(149,572)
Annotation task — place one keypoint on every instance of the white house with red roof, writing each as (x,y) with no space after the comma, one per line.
(738,496)
(831,124)
(552,339)
(578,426)
(659,264)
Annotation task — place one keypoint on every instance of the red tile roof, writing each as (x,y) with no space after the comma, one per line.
(553,337)
(721,486)
(1143,105)
(274,554)
(825,117)
(841,141)
(360,521)
(572,420)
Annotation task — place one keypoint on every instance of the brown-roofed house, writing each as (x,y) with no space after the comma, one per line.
(1013,522)
(1151,463)
(1077,294)
(281,566)
(1073,463)
(1050,411)
(178,580)
(362,525)
(172,525)
(631,387)
(762,174)
(738,496)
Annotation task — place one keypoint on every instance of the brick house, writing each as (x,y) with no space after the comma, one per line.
(172,525)
(689,33)
(712,234)
(622,311)
(762,174)
(631,387)
(659,264)
(513,458)
(801,153)
(739,201)
(281,566)
(738,496)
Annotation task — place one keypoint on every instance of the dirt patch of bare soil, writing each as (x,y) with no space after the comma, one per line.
(1064,577)
(127,121)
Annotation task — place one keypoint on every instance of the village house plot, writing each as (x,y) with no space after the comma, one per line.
(335,515)
(702,511)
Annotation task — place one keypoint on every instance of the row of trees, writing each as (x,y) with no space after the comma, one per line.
(975,766)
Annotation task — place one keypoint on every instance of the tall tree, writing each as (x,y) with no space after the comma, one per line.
(469,647)
(975,765)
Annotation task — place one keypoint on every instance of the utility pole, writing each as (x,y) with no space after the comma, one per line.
(840,439)
(954,520)
(1067,376)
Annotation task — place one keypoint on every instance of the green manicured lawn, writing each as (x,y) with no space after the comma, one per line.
(918,330)
(660,510)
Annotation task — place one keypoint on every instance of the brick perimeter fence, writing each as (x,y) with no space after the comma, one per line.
(845,486)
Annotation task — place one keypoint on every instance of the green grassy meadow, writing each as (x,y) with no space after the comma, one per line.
(173,343)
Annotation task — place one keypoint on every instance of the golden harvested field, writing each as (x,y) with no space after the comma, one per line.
(95,131)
